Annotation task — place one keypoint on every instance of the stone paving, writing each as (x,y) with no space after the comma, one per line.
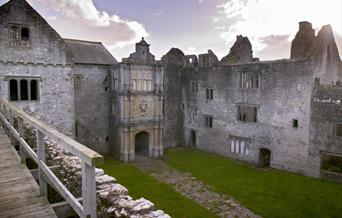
(192,188)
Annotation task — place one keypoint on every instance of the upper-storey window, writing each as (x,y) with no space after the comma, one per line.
(142,85)
(194,87)
(23,89)
(19,36)
(249,80)
(247,113)
(210,94)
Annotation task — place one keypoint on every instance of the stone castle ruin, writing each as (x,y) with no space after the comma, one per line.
(286,114)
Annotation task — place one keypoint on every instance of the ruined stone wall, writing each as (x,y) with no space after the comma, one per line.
(284,94)
(326,111)
(92,105)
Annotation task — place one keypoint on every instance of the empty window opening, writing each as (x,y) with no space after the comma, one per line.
(25,34)
(295,123)
(331,163)
(249,80)
(13,90)
(328,52)
(23,90)
(209,121)
(34,90)
(338,129)
(106,89)
(210,94)
(247,113)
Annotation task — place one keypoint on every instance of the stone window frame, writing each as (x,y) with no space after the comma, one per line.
(241,141)
(249,80)
(209,94)
(194,86)
(208,121)
(78,82)
(20,42)
(29,80)
(255,106)
(336,129)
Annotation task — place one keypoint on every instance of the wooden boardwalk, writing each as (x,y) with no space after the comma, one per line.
(19,192)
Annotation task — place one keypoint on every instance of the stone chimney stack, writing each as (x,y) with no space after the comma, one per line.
(303,42)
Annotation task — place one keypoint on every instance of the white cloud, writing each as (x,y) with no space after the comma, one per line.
(191,49)
(81,19)
(258,19)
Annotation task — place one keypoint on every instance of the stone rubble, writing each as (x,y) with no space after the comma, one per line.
(112,198)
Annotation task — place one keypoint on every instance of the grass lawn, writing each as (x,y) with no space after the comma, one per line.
(162,195)
(270,193)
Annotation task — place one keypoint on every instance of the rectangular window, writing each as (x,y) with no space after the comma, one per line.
(194,87)
(23,89)
(338,129)
(209,121)
(331,163)
(19,36)
(295,123)
(239,146)
(210,94)
(247,113)
(77,83)
(14,36)
(249,80)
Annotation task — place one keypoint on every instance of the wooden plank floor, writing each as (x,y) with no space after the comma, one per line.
(19,192)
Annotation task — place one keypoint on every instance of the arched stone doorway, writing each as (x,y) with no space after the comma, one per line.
(142,143)
(264,158)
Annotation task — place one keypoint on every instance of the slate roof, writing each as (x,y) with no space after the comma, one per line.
(86,52)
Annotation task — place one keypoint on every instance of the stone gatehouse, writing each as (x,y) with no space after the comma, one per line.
(282,113)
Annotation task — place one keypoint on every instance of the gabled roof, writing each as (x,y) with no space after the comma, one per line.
(86,52)
(143,42)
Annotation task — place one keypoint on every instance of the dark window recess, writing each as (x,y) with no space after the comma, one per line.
(247,113)
(34,90)
(338,130)
(76,129)
(23,90)
(209,121)
(25,34)
(13,90)
(295,123)
(331,163)
(328,52)
(210,94)
(106,89)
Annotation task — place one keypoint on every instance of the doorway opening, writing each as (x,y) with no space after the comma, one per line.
(264,158)
(142,143)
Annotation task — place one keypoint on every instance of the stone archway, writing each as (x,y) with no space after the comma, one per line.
(142,143)
(264,158)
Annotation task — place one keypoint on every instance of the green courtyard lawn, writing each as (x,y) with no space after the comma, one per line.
(270,193)
(162,195)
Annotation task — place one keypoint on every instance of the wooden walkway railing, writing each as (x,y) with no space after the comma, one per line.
(89,158)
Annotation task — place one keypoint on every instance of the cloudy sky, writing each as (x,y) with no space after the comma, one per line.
(191,25)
